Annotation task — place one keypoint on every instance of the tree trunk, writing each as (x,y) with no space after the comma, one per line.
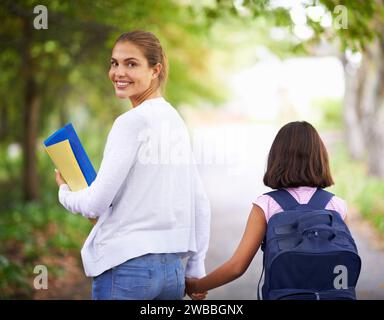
(374,110)
(31,115)
(31,110)
(364,108)
(3,122)
(354,136)
(63,111)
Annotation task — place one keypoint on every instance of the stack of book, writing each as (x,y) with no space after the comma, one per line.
(68,155)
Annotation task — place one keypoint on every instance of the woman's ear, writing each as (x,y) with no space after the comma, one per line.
(157,70)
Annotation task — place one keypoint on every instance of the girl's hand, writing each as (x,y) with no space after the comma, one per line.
(59,178)
(191,289)
(198,296)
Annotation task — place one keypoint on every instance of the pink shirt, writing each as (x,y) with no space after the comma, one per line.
(302,196)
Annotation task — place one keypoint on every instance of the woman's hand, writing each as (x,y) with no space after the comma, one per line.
(191,289)
(60,181)
(59,178)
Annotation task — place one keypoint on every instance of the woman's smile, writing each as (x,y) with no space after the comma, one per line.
(123,84)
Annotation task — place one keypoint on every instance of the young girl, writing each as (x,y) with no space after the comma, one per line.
(298,163)
(149,200)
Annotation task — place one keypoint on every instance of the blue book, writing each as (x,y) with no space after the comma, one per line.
(68,154)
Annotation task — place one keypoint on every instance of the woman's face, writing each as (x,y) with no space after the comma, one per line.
(130,72)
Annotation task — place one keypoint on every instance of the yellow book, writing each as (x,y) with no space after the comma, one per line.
(68,155)
(65,161)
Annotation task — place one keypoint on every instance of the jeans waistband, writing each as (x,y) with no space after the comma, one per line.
(160,257)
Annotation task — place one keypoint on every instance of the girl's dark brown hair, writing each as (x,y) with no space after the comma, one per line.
(151,48)
(297,158)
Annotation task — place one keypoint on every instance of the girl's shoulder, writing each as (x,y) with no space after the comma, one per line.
(339,205)
(302,194)
(267,204)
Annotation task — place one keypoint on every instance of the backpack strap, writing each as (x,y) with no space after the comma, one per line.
(284,199)
(320,199)
(258,284)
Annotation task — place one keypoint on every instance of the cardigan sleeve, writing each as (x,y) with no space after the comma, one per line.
(120,153)
(195,267)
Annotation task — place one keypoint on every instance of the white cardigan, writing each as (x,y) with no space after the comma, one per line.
(148,194)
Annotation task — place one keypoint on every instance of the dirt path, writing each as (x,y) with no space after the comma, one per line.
(371,250)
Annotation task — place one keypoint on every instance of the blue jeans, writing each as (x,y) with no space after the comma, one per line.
(149,277)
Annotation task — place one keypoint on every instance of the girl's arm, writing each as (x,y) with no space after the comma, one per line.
(239,262)
(346,221)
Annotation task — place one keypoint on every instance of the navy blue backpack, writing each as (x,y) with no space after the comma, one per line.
(309,253)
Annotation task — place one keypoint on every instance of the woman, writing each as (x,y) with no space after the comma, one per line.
(151,206)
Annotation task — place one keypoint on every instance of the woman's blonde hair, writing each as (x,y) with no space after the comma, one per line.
(152,50)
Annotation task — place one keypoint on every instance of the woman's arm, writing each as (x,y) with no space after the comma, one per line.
(60,180)
(120,154)
(239,262)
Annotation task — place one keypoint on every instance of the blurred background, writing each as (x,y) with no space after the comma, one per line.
(239,70)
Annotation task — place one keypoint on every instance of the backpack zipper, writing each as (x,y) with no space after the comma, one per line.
(345,234)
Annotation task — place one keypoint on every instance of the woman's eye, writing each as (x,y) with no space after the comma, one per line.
(113,63)
(131,64)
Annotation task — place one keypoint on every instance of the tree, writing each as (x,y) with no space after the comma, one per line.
(38,53)
(364,90)
(357,27)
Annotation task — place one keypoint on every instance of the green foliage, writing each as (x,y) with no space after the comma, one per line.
(34,233)
(69,61)
(328,112)
(30,235)
(364,20)
(361,191)
(13,280)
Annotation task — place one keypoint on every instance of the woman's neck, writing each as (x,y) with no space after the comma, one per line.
(148,94)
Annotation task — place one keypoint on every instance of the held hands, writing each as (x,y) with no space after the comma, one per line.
(191,289)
